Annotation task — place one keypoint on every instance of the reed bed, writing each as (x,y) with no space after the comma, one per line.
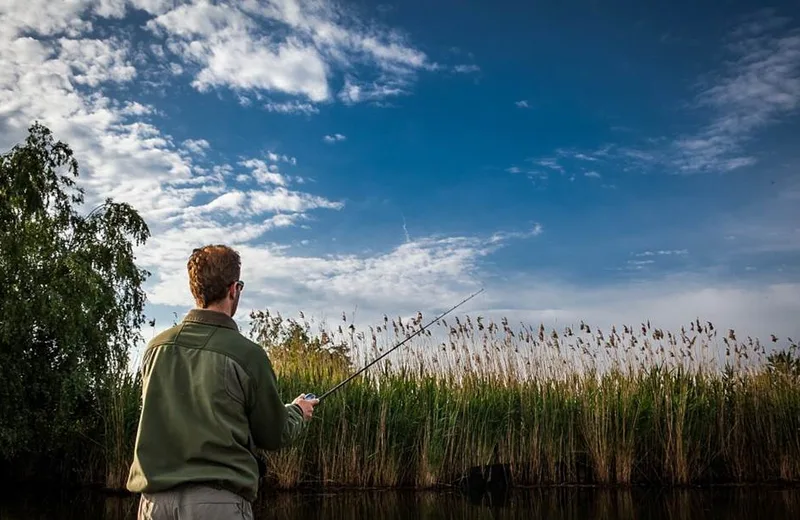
(633,405)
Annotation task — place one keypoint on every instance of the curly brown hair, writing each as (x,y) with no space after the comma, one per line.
(212,269)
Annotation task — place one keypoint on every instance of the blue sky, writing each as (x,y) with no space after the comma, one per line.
(581,162)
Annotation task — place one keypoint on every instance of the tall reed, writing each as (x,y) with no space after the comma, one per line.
(626,406)
(119,408)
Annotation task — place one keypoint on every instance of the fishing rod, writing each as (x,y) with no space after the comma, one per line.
(332,390)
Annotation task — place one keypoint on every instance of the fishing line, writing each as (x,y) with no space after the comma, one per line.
(335,388)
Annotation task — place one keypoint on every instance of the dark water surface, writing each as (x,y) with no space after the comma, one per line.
(557,504)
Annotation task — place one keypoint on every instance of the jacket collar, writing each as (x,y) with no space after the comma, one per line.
(211,318)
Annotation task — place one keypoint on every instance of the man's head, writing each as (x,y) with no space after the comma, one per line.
(214,278)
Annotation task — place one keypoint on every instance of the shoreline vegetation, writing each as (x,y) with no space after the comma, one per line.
(422,424)
(556,408)
(632,405)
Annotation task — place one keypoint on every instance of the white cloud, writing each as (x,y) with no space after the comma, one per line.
(243,64)
(334,138)
(136,109)
(500,236)
(466,69)
(264,173)
(292,107)
(355,92)
(47,18)
(275,158)
(522,104)
(281,199)
(121,156)
(572,154)
(415,273)
(95,61)
(62,82)
(551,163)
(256,203)
(639,156)
(230,202)
(759,85)
(639,264)
(570,161)
(664,252)
(227,45)
(289,47)
(196,146)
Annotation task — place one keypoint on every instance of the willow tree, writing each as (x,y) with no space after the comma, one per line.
(71,302)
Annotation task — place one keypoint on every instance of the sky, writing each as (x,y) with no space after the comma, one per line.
(601,162)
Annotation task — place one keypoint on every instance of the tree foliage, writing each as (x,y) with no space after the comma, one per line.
(71,302)
(291,345)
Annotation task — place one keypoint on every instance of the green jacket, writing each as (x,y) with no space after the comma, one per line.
(209,400)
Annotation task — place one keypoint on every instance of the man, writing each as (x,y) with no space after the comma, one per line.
(209,400)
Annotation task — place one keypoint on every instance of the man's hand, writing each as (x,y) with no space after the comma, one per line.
(307,405)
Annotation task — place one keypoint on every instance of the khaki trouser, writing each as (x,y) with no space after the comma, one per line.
(194,503)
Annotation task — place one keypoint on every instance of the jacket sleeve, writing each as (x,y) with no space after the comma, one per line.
(274,424)
(294,424)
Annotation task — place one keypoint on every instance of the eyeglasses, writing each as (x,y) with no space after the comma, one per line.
(240,284)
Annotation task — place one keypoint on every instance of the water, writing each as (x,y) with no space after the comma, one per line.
(555,504)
